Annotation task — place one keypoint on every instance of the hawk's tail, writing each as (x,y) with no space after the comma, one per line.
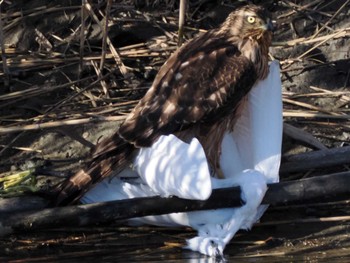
(110,155)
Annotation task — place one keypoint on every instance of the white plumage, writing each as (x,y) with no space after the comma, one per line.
(250,159)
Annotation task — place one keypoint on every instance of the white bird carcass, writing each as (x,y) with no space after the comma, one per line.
(250,159)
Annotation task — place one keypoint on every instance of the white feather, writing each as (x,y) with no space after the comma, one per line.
(250,158)
(172,167)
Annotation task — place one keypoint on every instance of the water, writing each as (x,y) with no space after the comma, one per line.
(302,242)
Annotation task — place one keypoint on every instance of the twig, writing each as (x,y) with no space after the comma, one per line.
(105,34)
(11,143)
(327,124)
(107,212)
(344,96)
(42,10)
(103,83)
(76,89)
(310,107)
(82,35)
(25,149)
(54,124)
(73,134)
(35,91)
(305,220)
(300,8)
(3,53)
(327,23)
(324,94)
(119,62)
(29,63)
(82,91)
(343,32)
(304,114)
(320,43)
(182,14)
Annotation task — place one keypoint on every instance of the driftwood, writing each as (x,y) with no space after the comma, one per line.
(22,203)
(302,136)
(302,190)
(316,159)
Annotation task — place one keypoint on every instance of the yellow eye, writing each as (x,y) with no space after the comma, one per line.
(251,19)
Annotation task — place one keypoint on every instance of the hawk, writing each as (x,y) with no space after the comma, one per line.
(198,92)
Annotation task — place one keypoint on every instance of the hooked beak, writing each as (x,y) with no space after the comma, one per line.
(271,25)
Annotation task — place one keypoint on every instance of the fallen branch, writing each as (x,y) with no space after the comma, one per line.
(107,212)
(302,136)
(316,159)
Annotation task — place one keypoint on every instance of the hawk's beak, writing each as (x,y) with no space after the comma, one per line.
(271,25)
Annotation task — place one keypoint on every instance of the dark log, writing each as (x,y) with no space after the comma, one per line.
(22,203)
(313,189)
(107,212)
(303,137)
(315,159)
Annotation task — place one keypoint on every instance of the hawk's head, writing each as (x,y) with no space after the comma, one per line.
(248,21)
(250,29)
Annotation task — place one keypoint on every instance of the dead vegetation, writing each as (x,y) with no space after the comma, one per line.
(63,65)
(71,70)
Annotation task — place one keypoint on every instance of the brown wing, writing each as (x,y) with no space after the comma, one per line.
(110,155)
(201,83)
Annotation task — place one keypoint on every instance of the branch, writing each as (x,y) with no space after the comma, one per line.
(182,15)
(316,159)
(107,212)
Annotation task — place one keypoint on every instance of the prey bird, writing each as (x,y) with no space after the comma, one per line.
(199,92)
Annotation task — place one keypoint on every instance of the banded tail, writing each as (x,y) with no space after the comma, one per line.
(110,155)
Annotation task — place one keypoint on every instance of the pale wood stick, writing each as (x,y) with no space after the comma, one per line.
(54,124)
(105,34)
(182,15)
(115,53)
(103,82)
(305,114)
(309,106)
(343,32)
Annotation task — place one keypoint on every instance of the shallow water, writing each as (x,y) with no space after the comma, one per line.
(302,242)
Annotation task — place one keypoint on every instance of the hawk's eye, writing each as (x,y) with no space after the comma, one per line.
(251,19)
